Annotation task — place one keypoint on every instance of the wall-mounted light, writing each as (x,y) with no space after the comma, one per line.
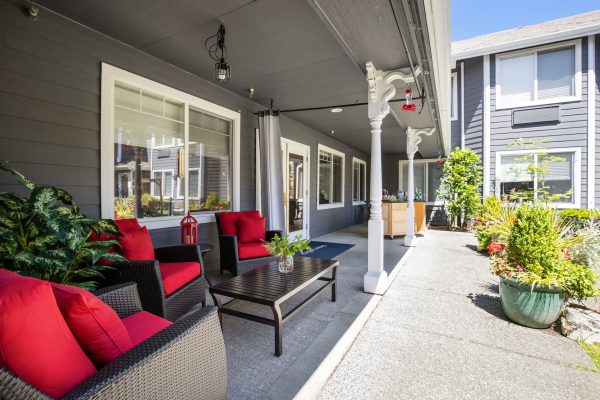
(33,12)
(218,52)
(251,93)
(336,110)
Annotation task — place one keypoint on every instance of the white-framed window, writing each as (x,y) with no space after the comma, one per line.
(542,75)
(562,175)
(453,97)
(359,181)
(331,178)
(426,179)
(164,141)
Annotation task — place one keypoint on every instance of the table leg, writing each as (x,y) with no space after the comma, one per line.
(278,329)
(333,290)
(218,305)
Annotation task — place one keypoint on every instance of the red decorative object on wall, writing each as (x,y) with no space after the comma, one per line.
(189,230)
(409,106)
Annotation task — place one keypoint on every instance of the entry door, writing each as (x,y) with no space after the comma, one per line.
(296,179)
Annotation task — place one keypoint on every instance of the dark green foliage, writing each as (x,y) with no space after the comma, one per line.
(579,216)
(45,236)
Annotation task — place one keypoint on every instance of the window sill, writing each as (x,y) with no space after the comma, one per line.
(359,203)
(329,206)
(560,100)
(170,222)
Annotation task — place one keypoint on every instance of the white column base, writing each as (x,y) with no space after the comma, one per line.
(376,282)
(409,240)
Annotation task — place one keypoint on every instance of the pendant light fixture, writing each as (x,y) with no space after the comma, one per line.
(215,45)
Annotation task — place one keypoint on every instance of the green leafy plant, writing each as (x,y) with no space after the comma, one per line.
(460,184)
(284,246)
(212,200)
(494,222)
(46,236)
(538,252)
(585,249)
(580,217)
(124,208)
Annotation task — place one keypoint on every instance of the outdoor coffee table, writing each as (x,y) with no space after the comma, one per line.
(267,286)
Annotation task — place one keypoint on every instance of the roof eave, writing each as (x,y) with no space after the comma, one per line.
(527,42)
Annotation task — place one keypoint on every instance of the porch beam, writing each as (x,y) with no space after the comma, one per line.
(380,91)
(413,138)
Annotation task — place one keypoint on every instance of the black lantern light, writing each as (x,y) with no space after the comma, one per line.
(215,45)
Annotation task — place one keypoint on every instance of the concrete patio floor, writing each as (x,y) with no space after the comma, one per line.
(253,370)
(439,333)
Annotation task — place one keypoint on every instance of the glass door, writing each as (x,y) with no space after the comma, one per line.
(295,159)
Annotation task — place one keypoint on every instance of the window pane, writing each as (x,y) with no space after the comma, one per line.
(211,162)
(356,181)
(337,179)
(419,178)
(434,171)
(515,176)
(558,177)
(515,77)
(325,178)
(153,104)
(140,176)
(556,73)
(363,182)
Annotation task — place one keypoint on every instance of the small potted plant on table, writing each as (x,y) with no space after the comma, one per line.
(535,268)
(285,248)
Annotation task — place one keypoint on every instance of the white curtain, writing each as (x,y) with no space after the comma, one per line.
(271,175)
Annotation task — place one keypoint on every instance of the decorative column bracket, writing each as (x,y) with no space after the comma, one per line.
(413,139)
(381,90)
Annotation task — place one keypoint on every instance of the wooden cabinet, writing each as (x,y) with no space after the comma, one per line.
(394,218)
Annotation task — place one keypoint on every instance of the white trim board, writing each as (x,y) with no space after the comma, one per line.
(486,125)
(110,75)
(363,181)
(591,123)
(453,96)
(462,105)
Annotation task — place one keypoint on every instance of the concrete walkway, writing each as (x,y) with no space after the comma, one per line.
(439,333)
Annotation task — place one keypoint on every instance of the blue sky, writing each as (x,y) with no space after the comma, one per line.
(478,17)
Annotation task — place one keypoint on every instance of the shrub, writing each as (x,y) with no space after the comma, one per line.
(585,249)
(495,223)
(460,183)
(491,209)
(579,217)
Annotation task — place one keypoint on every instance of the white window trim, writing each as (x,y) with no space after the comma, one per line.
(426,191)
(500,105)
(153,185)
(110,75)
(576,172)
(454,94)
(326,149)
(362,182)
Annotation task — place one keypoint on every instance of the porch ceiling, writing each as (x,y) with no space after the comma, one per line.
(298,53)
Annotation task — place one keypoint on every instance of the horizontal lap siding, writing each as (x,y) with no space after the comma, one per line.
(473,104)
(570,132)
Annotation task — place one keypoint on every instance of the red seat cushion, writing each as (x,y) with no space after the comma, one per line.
(251,230)
(142,325)
(228,221)
(137,245)
(175,275)
(95,325)
(35,342)
(252,250)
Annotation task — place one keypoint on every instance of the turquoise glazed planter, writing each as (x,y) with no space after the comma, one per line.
(535,309)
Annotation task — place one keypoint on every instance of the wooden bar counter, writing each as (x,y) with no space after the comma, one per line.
(394,217)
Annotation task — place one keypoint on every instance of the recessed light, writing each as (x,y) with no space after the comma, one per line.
(332,132)
(336,110)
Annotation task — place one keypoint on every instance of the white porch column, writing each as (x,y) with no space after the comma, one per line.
(413,139)
(381,90)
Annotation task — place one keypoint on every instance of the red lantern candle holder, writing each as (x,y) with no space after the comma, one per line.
(189,230)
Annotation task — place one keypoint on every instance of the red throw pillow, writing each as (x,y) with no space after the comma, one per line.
(127,225)
(95,325)
(143,325)
(251,230)
(228,220)
(137,245)
(35,342)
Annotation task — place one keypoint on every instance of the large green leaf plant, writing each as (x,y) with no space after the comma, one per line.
(46,236)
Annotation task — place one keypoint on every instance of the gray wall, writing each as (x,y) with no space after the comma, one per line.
(455,125)
(50,72)
(474,105)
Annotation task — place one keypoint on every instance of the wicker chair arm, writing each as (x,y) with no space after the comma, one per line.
(271,235)
(149,282)
(12,387)
(180,253)
(167,365)
(228,248)
(122,298)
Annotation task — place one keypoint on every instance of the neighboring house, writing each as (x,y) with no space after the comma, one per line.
(533,82)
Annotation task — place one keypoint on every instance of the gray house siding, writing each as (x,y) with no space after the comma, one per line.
(570,132)
(50,73)
(474,104)
(455,139)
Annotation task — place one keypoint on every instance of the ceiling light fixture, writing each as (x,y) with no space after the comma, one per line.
(332,132)
(337,110)
(218,52)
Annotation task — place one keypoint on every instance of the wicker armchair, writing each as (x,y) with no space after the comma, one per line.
(146,274)
(184,361)
(229,252)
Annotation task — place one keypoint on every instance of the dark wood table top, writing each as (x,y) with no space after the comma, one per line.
(266,285)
